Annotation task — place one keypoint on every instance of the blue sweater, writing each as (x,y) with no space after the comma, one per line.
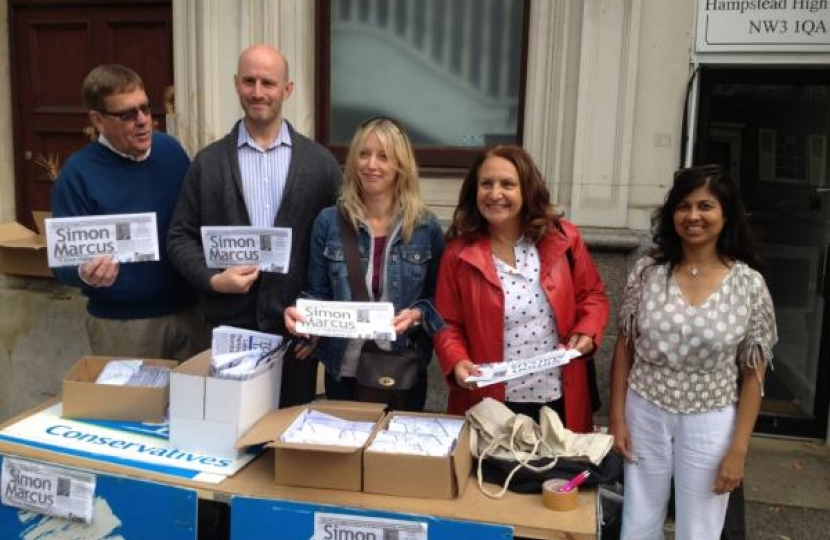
(96,181)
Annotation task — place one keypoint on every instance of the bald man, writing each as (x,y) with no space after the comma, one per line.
(264,174)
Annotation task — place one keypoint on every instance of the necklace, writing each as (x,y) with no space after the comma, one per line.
(508,255)
(695,271)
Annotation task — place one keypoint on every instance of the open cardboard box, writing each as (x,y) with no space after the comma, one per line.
(23,251)
(314,465)
(83,398)
(428,477)
(209,415)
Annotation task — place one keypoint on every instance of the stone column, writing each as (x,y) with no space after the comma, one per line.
(208,36)
(605,112)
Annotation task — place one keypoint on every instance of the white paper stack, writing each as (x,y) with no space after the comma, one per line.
(315,427)
(134,373)
(240,354)
(418,435)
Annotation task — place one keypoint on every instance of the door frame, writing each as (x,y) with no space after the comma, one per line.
(23,203)
(797,426)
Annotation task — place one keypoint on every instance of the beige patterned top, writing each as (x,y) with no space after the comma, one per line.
(686,357)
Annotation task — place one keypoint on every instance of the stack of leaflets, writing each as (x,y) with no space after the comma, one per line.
(134,373)
(418,435)
(315,427)
(240,354)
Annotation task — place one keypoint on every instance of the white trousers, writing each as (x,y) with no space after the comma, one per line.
(687,446)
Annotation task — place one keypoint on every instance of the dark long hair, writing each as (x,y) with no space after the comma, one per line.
(537,214)
(736,241)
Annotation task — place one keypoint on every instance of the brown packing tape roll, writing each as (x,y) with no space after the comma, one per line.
(555,500)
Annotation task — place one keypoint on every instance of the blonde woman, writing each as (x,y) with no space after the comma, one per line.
(400,245)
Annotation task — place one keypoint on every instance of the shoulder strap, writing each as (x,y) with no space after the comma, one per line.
(349,238)
(593,388)
(569,254)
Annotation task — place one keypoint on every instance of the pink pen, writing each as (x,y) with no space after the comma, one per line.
(574,482)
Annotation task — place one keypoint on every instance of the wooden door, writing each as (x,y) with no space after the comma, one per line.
(54,45)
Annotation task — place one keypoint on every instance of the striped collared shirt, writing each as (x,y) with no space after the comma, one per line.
(263,174)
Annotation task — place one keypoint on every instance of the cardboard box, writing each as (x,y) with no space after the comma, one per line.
(314,465)
(83,398)
(209,415)
(23,251)
(428,477)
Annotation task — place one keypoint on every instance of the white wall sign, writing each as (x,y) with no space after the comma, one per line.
(763,26)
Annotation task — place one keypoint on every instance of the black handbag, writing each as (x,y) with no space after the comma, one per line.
(376,368)
(387,370)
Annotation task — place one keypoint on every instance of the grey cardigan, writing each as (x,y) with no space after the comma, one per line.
(212,195)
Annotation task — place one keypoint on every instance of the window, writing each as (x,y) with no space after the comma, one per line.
(452,72)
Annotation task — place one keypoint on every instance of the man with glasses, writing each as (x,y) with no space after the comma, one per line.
(264,174)
(145,309)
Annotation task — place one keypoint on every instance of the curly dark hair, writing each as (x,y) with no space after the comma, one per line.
(537,215)
(736,241)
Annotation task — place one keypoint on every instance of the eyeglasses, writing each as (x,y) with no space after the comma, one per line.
(379,119)
(129,115)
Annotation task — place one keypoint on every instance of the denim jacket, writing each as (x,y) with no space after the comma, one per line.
(408,279)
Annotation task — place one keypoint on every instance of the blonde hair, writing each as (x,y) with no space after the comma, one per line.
(407,196)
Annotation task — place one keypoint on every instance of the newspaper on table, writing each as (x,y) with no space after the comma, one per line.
(418,435)
(355,320)
(48,490)
(131,372)
(127,238)
(342,526)
(499,372)
(267,247)
(448,428)
(315,427)
(237,353)
(417,444)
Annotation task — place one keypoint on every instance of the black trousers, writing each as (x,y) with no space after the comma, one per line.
(299,380)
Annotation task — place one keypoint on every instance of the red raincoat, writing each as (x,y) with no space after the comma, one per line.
(470,299)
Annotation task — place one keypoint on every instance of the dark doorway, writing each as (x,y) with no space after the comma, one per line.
(771,128)
(53,46)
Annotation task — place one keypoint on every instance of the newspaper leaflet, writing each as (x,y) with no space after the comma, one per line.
(269,248)
(499,372)
(46,489)
(127,238)
(355,320)
(335,526)
(240,354)
(230,339)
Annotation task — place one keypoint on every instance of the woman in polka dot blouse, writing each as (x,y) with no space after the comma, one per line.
(695,317)
(516,281)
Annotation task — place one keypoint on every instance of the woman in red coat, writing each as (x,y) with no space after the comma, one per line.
(516,281)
